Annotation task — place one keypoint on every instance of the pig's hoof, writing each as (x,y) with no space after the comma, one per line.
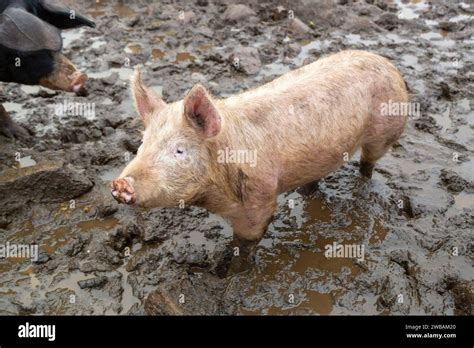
(13,131)
(222,266)
(366,169)
(240,265)
(123,191)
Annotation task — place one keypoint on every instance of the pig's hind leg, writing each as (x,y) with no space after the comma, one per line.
(384,127)
(309,189)
(378,140)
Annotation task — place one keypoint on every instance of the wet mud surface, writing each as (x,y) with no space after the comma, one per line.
(415,218)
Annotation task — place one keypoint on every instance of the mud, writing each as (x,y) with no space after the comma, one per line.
(415,218)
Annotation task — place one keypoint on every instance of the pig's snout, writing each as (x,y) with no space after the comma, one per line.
(122,190)
(78,80)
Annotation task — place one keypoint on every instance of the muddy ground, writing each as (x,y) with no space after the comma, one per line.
(415,218)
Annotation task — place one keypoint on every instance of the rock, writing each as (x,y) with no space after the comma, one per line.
(449,26)
(278,13)
(293,49)
(106,209)
(445,91)
(114,287)
(108,131)
(299,27)
(111,79)
(4,222)
(93,283)
(194,296)
(198,77)
(188,253)
(246,60)
(154,233)
(47,93)
(76,246)
(115,59)
(453,182)
(187,17)
(388,21)
(43,257)
(46,182)
(235,13)
(204,31)
(124,235)
(461,291)
(132,22)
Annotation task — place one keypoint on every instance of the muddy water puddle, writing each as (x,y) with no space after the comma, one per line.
(184,56)
(25,162)
(411,9)
(302,249)
(61,286)
(133,48)
(112,7)
(157,53)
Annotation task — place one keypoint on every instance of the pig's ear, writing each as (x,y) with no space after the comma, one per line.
(147,101)
(61,17)
(201,113)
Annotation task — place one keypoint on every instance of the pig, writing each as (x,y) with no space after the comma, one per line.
(30,49)
(301,125)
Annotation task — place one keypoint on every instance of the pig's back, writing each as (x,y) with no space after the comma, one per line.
(315,113)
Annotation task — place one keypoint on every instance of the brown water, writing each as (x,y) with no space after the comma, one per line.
(183,56)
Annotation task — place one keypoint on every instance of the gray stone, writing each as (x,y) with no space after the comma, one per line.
(246,60)
(239,12)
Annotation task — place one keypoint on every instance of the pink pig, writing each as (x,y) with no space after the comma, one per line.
(300,126)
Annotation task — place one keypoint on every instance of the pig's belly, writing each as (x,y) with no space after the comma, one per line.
(312,168)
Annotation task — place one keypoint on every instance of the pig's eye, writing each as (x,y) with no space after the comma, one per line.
(180,150)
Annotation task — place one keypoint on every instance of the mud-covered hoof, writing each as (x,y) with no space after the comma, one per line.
(240,264)
(366,169)
(228,264)
(123,191)
(13,131)
(309,189)
(224,259)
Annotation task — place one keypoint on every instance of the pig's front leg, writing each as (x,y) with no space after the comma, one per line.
(8,127)
(237,257)
(249,225)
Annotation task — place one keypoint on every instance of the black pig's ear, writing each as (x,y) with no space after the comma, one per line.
(22,31)
(147,101)
(61,17)
(201,113)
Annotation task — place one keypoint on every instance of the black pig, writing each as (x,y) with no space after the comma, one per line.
(30,49)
